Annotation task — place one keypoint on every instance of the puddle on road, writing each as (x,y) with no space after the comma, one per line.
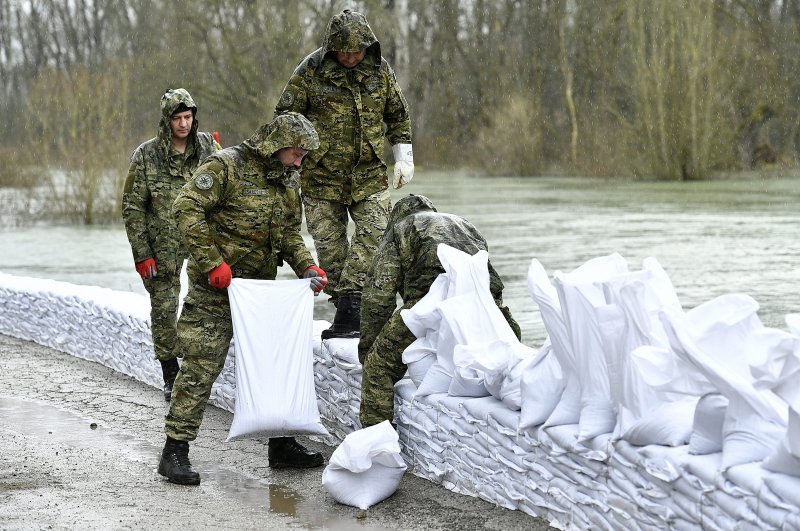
(44,421)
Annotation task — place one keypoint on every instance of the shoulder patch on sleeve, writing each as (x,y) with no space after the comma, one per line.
(287,98)
(203,181)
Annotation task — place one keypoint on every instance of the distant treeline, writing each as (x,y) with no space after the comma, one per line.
(671,89)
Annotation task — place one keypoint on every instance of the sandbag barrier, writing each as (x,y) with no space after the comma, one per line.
(469,445)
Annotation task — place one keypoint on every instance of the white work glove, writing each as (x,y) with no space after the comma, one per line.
(403,164)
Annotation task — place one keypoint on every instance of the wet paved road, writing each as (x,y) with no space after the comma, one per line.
(79,447)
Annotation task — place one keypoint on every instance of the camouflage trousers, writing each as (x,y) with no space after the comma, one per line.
(346,261)
(205,330)
(164,290)
(383,367)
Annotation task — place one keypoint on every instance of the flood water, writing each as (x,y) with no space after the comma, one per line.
(712,238)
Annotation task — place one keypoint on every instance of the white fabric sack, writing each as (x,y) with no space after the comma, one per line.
(468,381)
(709,416)
(521,359)
(541,388)
(645,415)
(423,321)
(755,420)
(493,368)
(568,407)
(419,356)
(272,325)
(366,468)
(468,316)
(581,295)
(780,372)
(424,316)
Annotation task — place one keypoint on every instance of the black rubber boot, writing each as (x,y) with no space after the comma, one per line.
(347,321)
(170,370)
(286,452)
(175,465)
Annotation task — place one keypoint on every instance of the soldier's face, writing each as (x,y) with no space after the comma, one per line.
(181,124)
(291,157)
(350,59)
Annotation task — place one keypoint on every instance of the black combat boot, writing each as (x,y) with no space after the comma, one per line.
(170,370)
(175,465)
(347,321)
(285,452)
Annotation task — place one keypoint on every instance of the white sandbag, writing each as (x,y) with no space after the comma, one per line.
(630,322)
(468,381)
(272,324)
(645,414)
(755,420)
(580,297)
(786,456)
(524,357)
(424,316)
(423,321)
(787,487)
(709,416)
(568,407)
(419,356)
(779,371)
(366,468)
(668,424)
(485,365)
(541,389)
(440,374)
(468,316)
(437,380)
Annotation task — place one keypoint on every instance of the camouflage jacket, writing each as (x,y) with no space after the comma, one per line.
(406,262)
(348,108)
(156,175)
(243,207)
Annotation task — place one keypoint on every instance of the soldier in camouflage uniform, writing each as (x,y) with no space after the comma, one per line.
(240,216)
(159,169)
(406,263)
(349,91)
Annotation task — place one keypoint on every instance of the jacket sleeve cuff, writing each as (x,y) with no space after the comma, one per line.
(211,261)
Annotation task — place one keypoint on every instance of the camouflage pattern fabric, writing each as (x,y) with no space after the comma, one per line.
(157,173)
(164,290)
(383,367)
(205,331)
(348,31)
(406,263)
(348,108)
(344,261)
(242,207)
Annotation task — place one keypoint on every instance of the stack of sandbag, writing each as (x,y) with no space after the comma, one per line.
(337,377)
(718,354)
(93,323)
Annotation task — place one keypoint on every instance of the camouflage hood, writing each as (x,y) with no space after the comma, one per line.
(349,31)
(410,204)
(287,130)
(170,101)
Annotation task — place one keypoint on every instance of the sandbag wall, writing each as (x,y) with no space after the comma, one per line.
(93,323)
(470,445)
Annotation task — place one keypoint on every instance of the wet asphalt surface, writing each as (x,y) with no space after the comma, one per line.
(79,447)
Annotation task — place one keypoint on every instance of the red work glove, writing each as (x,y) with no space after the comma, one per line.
(319,278)
(147,268)
(220,276)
